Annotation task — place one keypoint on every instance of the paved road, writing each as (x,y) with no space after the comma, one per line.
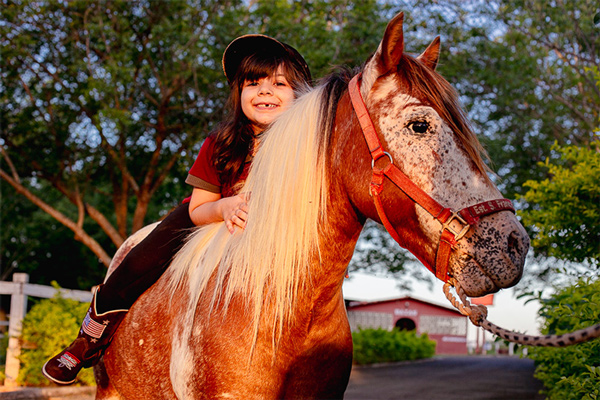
(447,378)
(443,378)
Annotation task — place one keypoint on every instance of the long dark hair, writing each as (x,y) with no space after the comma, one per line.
(234,137)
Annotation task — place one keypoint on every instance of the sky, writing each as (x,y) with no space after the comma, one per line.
(507,312)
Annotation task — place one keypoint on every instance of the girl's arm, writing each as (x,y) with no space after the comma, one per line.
(207,207)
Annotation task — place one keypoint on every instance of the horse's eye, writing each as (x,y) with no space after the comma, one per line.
(419,126)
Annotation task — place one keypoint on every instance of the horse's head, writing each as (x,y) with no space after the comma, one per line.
(419,122)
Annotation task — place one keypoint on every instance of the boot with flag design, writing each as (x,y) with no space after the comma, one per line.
(94,337)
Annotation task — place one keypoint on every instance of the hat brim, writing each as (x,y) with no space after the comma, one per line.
(246,45)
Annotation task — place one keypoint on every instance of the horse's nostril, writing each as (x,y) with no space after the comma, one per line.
(513,241)
(516,248)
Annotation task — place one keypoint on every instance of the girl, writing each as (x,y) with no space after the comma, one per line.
(264,75)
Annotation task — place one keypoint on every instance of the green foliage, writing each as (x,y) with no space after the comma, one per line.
(326,32)
(3,348)
(102,101)
(380,345)
(105,104)
(523,68)
(564,210)
(49,327)
(570,373)
(35,243)
(377,251)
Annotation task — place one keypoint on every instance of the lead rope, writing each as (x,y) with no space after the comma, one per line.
(478,316)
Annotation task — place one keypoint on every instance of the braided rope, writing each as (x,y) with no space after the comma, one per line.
(478,316)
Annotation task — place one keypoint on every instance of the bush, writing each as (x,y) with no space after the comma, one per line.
(570,373)
(380,345)
(3,348)
(564,210)
(49,327)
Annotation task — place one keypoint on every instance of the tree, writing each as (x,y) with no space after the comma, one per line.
(35,243)
(564,210)
(326,32)
(524,70)
(570,373)
(378,253)
(102,102)
(104,106)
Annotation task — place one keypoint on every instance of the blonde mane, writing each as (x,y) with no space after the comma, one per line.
(268,262)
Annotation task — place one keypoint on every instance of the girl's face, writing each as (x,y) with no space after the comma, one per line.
(265,98)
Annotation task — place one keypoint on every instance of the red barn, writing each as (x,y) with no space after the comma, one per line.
(443,324)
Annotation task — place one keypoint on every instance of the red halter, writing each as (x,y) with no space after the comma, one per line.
(449,234)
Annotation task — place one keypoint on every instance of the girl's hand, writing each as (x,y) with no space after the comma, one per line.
(207,207)
(235,211)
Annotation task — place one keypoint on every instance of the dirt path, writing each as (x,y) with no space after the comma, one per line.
(447,378)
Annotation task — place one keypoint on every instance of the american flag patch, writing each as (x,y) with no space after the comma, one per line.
(68,360)
(91,327)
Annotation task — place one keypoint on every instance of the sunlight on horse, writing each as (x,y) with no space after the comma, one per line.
(260,314)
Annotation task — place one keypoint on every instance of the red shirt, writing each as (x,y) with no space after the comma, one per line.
(203,174)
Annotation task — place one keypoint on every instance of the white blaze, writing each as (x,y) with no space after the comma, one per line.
(182,361)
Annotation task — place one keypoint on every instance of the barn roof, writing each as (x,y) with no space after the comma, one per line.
(357,303)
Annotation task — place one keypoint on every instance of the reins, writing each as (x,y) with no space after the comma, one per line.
(454,226)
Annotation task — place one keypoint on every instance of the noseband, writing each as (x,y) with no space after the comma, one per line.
(455,224)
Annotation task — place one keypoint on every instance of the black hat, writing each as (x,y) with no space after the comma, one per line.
(249,44)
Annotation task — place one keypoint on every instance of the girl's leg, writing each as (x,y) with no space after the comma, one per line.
(97,329)
(139,270)
(146,262)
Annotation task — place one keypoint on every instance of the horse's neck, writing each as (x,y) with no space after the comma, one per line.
(347,162)
(338,242)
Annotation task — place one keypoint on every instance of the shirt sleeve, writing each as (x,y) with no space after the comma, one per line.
(203,174)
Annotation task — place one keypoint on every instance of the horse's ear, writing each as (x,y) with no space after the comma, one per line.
(387,56)
(392,45)
(431,55)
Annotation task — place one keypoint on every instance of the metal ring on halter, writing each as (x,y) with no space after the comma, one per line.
(384,153)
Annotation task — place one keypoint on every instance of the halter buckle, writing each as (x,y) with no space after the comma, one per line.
(457,234)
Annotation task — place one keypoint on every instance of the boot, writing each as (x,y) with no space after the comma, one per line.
(94,337)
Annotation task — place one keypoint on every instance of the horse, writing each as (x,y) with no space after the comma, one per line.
(259,314)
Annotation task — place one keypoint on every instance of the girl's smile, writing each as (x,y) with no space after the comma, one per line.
(265,98)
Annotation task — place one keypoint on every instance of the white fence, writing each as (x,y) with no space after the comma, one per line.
(19,289)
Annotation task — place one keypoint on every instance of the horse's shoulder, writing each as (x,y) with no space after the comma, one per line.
(127,245)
